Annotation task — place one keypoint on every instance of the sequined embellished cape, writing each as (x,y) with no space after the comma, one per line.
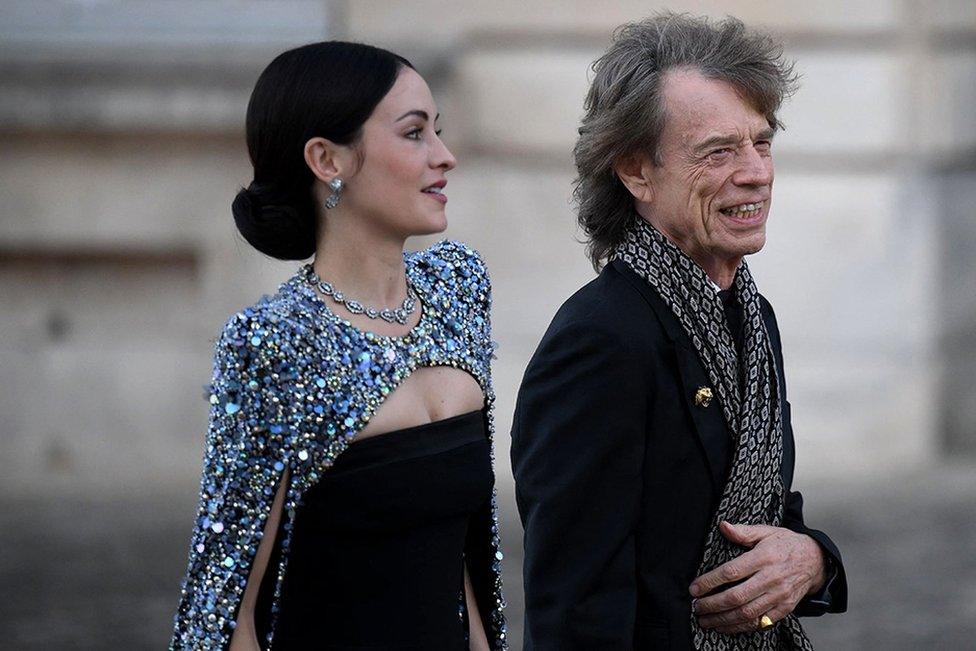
(293,384)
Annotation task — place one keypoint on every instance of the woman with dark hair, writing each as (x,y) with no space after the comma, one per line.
(347,498)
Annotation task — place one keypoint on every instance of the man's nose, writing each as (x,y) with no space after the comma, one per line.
(755,168)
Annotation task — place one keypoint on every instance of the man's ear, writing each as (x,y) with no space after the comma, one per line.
(328,160)
(633,173)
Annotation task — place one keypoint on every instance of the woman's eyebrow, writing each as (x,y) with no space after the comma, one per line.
(421,114)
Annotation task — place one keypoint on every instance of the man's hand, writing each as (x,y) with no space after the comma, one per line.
(779,570)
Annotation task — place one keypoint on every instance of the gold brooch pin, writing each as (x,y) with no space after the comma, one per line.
(703,397)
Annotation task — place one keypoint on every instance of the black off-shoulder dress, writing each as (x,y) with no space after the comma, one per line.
(376,560)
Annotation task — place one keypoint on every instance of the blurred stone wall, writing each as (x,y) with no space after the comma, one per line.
(121,147)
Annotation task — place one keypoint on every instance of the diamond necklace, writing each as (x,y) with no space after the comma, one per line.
(399,315)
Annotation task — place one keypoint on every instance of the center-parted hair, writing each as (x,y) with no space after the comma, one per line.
(625,109)
(326,90)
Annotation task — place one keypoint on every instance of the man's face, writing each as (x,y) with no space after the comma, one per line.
(711,193)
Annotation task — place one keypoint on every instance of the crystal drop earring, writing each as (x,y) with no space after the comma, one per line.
(333,199)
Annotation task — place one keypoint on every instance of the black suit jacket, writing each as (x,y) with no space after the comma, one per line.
(618,473)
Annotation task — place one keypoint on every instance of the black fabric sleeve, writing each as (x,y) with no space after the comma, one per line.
(577,455)
(832,597)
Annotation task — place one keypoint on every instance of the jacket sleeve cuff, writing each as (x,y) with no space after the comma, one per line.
(832,596)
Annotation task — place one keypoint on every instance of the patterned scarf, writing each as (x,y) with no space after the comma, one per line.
(754,492)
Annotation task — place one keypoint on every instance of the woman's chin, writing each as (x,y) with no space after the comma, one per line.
(433,225)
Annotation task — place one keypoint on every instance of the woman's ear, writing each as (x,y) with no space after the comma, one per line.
(327,160)
(633,173)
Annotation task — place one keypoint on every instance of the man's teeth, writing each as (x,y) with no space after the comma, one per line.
(743,208)
(434,190)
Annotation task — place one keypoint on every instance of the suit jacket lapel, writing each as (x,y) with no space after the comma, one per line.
(709,421)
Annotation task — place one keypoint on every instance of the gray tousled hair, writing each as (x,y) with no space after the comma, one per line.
(625,109)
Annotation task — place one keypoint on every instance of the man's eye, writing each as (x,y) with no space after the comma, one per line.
(438,133)
(720,152)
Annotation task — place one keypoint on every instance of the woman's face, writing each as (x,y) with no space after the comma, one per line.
(399,186)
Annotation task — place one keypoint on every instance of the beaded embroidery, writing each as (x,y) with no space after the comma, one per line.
(293,384)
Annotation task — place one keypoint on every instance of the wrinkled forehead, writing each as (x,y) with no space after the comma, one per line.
(695,105)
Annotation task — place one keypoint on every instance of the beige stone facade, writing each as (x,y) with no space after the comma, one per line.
(121,147)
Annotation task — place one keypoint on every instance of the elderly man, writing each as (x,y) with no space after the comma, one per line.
(652,445)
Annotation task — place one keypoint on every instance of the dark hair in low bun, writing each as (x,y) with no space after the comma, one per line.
(324,89)
(278,225)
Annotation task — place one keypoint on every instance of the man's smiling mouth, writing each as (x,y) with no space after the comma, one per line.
(743,209)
